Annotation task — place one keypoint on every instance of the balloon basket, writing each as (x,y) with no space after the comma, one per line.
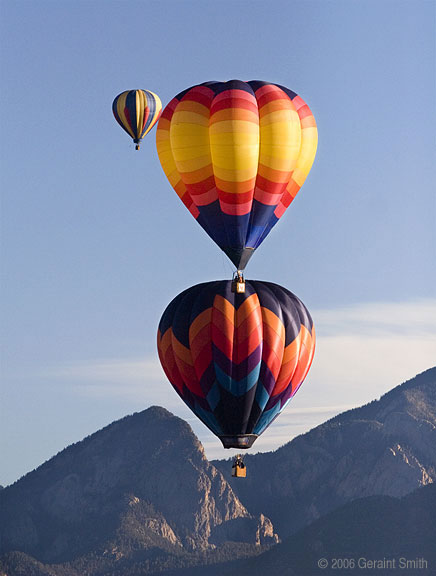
(238,283)
(239,470)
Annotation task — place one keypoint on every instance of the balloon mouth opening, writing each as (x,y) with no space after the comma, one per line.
(241,441)
(239,256)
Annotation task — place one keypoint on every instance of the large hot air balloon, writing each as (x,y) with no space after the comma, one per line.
(137,111)
(237,153)
(236,359)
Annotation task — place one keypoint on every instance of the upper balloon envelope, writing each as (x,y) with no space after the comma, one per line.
(237,153)
(137,111)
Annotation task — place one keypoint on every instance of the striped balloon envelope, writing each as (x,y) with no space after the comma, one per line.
(137,111)
(236,359)
(237,153)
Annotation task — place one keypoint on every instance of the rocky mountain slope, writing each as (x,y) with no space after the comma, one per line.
(374,535)
(377,535)
(140,488)
(387,447)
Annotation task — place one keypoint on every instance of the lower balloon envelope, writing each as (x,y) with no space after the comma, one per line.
(236,359)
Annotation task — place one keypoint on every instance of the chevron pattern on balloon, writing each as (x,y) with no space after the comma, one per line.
(236,359)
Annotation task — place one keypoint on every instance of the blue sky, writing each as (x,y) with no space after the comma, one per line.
(95,242)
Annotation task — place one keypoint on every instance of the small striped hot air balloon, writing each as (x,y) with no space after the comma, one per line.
(137,111)
(236,359)
(237,153)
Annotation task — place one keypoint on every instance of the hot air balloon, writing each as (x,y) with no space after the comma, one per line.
(236,359)
(137,111)
(237,153)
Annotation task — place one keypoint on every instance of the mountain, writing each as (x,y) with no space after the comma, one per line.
(141,489)
(374,535)
(140,498)
(387,447)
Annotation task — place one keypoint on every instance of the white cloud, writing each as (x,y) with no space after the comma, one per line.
(365,350)
(132,379)
(108,370)
(132,371)
(379,318)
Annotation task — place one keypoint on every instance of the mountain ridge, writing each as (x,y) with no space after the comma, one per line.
(141,483)
(140,497)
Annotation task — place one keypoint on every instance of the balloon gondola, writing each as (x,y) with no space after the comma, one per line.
(239,469)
